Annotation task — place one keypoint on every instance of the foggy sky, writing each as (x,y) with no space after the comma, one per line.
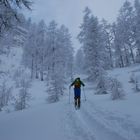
(70,12)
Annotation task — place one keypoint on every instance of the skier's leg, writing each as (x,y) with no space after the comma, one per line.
(75,101)
(79,102)
(76,98)
(79,93)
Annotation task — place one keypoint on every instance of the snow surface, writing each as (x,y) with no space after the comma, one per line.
(99,118)
(53,121)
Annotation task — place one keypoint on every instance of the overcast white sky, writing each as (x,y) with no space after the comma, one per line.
(70,12)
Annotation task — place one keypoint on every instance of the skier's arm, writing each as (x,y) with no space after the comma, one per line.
(72,84)
(82,84)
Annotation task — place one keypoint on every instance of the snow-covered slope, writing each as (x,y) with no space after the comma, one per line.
(98,119)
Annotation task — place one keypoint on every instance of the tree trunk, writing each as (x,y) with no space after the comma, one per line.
(32,67)
(42,68)
(36,71)
(121,59)
(36,66)
(110,54)
(126,57)
(132,55)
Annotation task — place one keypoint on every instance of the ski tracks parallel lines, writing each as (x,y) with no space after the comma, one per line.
(77,127)
(86,127)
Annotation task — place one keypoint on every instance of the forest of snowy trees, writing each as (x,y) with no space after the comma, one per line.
(12,34)
(47,55)
(48,51)
(60,84)
(111,45)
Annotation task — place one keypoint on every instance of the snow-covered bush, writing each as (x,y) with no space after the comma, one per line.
(21,101)
(132,78)
(137,85)
(5,94)
(53,95)
(17,77)
(55,89)
(116,90)
(101,85)
(137,58)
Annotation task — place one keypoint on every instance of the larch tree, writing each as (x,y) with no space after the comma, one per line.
(124,37)
(79,61)
(41,47)
(29,50)
(59,59)
(108,37)
(137,29)
(91,39)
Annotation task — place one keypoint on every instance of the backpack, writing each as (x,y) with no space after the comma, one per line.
(77,84)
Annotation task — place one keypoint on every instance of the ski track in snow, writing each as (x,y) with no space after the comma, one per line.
(92,122)
(84,126)
(77,127)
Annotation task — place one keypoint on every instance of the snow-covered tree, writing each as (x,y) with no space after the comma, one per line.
(21,101)
(137,29)
(52,43)
(60,59)
(92,42)
(41,47)
(30,51)
(102,84)
(108,37)
(48,51)
(124,36)
(6,42)
(119,60)
(5,94)
(79,61)
(66,50)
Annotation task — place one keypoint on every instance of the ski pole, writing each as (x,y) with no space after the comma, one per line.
(84,94)
(69,95)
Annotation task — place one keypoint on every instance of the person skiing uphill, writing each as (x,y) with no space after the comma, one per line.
(77,91)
